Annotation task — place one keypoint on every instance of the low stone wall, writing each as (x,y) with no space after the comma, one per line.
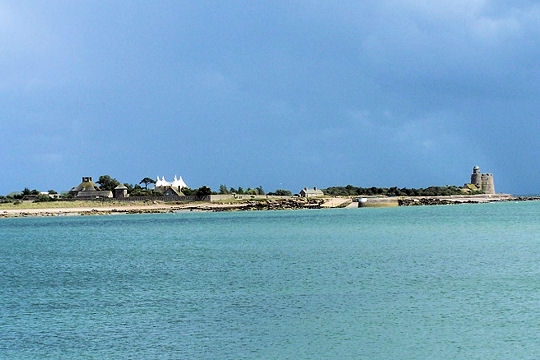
(247,197)
(163,198)
(378,202)
(209,198)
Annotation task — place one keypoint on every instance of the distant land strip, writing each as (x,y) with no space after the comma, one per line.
(99,207)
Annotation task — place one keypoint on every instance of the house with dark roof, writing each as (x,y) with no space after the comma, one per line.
(311,192)
(173,194)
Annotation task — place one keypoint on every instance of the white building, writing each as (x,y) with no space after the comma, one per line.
(162,184)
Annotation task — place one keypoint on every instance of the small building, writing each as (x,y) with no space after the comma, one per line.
(121,192)
(87,190)
(173,194)
(311,192)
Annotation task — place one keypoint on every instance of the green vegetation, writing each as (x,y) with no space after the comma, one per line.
(203,191)
(350,190)
(30,195)
(146,181)
(281,192)
(240,191)
(106,182)
(137,190)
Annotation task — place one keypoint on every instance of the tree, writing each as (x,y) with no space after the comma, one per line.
(107,183)
(137,190)
(257,191)
(281,192)
(43,198)
(187,191)
(147,181)
(223,189)
(203,191)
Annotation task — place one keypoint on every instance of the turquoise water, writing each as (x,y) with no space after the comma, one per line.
(438,282)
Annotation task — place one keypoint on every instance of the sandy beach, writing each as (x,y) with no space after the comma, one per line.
(127,207)
(101,209)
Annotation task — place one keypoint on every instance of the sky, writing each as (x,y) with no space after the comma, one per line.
(278,94)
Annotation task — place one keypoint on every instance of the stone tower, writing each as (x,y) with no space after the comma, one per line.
(483,182)
(475,177)
(488,186)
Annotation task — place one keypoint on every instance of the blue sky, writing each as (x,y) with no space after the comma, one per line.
(276,94)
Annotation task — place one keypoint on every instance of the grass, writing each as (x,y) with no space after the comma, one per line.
(65,204)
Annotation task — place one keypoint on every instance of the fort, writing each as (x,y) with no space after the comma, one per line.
(482,182)
(481,189)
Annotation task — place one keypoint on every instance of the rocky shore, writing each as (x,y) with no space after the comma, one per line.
(440,200)
(103,208)
(455,199)
(293,203)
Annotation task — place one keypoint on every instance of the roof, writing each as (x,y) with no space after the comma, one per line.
(88,185)
(178,183)
(311,191)
(161,182)
(175,191)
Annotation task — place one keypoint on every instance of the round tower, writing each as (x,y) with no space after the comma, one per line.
(487,183)
(476,177)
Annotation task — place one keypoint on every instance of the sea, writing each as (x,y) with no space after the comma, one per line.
(434,282)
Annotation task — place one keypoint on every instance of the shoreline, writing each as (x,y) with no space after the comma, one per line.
(126,207)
